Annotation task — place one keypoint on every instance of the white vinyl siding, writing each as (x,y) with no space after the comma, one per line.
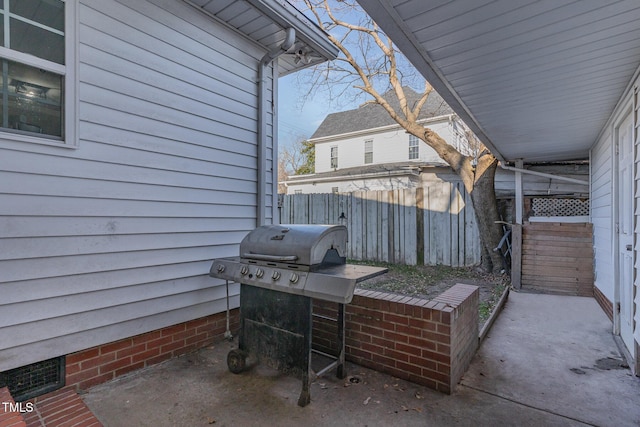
(636,204)
(116,238)
(601,203)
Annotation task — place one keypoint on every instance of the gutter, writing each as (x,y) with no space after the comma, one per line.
(287,16)
(545,175)
(263,105)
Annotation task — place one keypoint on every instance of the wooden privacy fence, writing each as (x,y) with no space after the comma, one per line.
(428,225)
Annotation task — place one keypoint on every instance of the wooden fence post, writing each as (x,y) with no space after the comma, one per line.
(420,226)
(516,256)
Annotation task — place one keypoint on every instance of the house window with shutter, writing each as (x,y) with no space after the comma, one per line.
(414,147)
(334,157)
(36,62)
(368,151)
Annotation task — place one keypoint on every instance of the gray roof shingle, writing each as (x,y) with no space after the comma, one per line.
(372,115)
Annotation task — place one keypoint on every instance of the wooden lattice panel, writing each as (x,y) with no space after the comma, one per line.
(559,207)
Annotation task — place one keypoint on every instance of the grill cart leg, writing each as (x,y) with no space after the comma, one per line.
(305,394)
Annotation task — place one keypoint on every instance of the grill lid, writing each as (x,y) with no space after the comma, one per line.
(301,244)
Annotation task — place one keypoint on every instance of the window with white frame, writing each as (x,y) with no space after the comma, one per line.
(334,157)
(334,189)
(414,147)
(36,60)
(368,151)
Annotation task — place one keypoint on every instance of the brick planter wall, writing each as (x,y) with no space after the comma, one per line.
(96,365)
(429,342)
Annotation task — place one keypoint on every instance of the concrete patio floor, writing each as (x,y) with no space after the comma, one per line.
(548,361)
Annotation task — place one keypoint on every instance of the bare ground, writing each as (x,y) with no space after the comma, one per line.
(426,282)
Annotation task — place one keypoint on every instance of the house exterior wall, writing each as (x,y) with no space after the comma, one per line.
(389,146)
(636,204)
(114,238)
(604,211)
(602,214)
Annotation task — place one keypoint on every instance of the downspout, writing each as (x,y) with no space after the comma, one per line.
(263,110)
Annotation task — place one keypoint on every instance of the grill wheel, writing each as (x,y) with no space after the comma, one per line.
(236,361)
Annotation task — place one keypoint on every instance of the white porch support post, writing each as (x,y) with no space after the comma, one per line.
(516,231)
(519,198)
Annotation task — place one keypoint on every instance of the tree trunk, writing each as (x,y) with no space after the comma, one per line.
(485,205)
(479,181)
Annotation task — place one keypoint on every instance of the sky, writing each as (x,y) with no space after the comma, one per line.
(297,119)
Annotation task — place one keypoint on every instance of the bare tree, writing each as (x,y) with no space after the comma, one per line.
(370,63)
(295,159)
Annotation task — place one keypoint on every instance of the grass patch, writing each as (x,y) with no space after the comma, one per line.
(486,307)
(417,280)
(428,281)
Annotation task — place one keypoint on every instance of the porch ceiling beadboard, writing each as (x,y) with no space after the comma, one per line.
(266,22)
(534,79)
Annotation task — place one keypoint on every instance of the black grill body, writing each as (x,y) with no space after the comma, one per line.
(282,268)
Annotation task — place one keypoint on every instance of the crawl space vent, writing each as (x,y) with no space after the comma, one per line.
(27,382)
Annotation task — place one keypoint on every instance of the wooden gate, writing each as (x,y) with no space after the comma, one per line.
(558,258)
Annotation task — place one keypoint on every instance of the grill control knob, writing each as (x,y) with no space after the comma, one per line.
(244,270)
(259,273)
(294,278)
(220,268)
(275,275)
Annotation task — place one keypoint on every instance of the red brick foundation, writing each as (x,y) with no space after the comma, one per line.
(96,365)
(429,342)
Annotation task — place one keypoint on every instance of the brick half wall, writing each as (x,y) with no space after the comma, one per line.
(429,342)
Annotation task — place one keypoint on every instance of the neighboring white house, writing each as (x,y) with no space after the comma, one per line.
(365,149)
(135,146)
(545,83)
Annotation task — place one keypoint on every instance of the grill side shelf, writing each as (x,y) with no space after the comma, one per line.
(353,271)
(337,283)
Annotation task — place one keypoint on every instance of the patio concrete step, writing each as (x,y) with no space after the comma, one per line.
(9,416)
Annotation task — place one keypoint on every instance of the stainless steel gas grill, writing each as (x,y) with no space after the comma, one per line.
(281,268)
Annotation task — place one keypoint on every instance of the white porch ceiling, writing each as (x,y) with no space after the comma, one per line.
(535,80)
(265,22)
